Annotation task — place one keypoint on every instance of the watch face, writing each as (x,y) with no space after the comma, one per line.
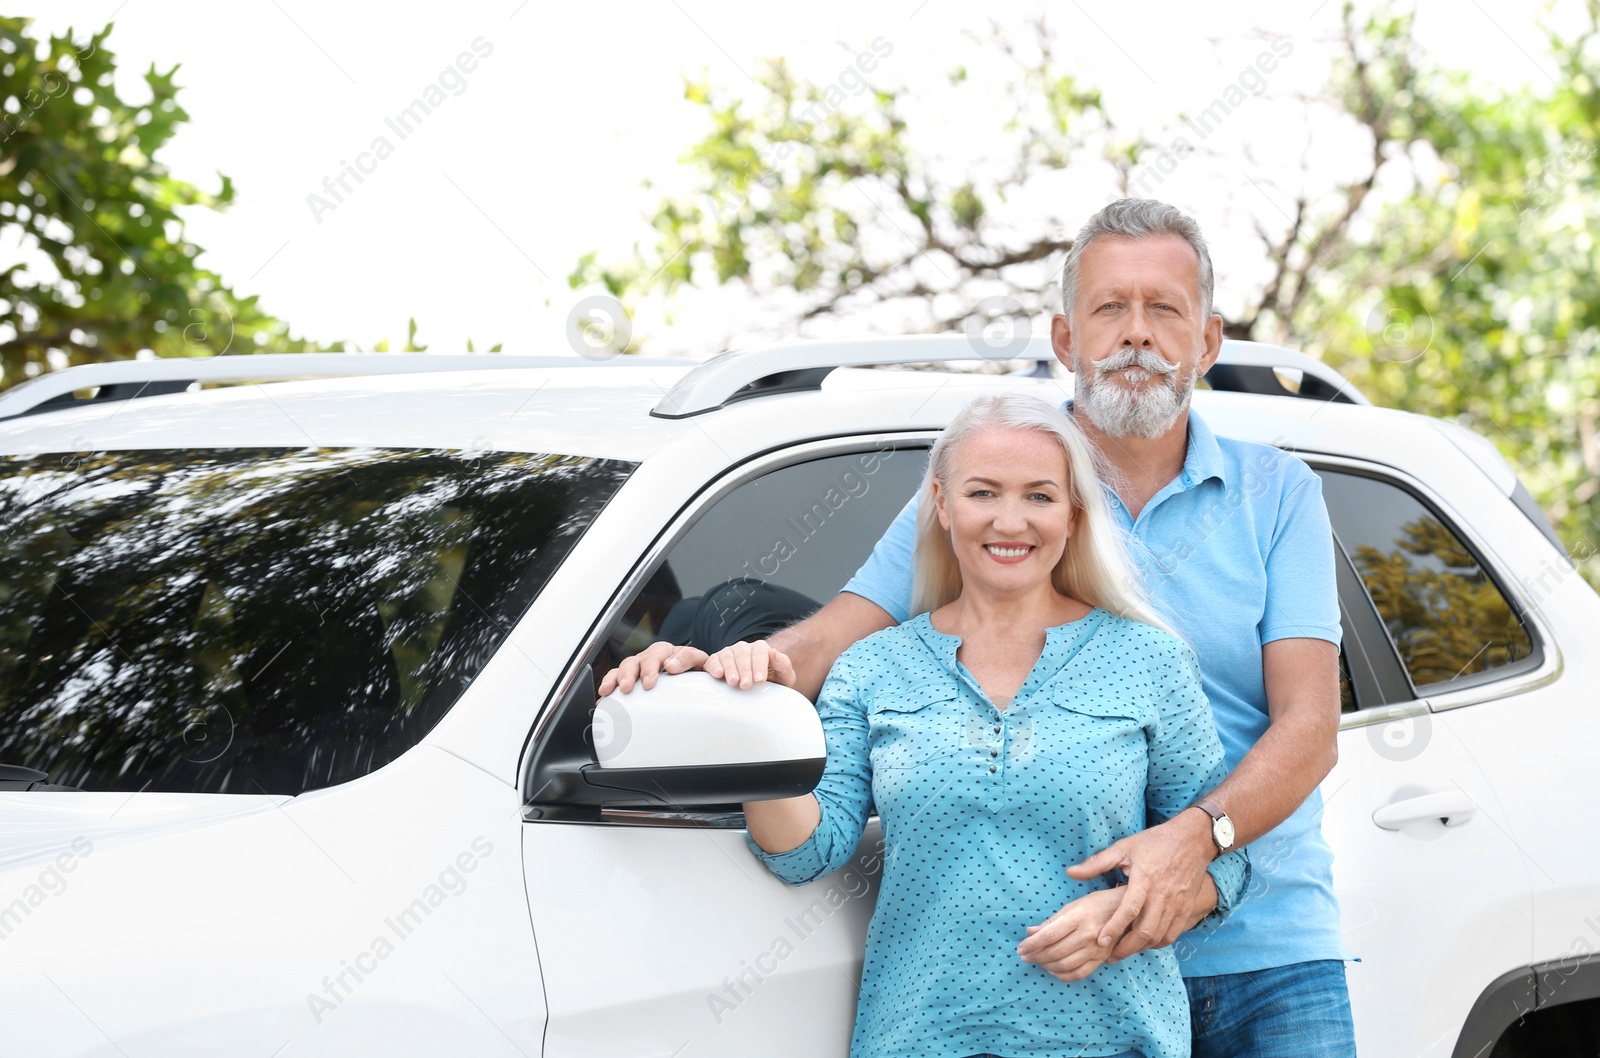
(1222,830)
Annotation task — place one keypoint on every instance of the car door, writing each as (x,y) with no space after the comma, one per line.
(229,657)
(1433,882)
(659,933)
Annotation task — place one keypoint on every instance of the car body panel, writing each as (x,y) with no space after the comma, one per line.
(659,935)
(228,932)
(1465,888)
(677,941)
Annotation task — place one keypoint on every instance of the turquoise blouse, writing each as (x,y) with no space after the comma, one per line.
(984,809)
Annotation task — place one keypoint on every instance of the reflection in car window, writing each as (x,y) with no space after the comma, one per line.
(1447,618)
(768,553)
(254,620)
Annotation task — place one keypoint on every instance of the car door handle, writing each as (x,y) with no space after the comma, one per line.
(1450,807)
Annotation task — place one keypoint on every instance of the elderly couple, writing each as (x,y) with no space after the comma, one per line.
(1036,724)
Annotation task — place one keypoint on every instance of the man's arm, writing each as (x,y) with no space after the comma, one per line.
(1299,747)
(815,644)
(812,646)
(1168,890)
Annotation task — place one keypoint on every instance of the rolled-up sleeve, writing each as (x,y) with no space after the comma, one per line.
(844,793)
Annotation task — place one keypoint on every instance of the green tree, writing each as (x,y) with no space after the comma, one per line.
(799,192)
(1451,274)
(1474,298)
(104,269)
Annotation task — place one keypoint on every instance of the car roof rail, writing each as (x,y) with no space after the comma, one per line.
(1256,367)
(127,379)
(1247,367)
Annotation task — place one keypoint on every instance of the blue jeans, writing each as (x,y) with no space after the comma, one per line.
(1299,1011)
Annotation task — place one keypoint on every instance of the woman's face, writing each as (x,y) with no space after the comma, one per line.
(1007,507)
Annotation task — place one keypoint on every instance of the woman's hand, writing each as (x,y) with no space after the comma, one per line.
(744,665)
(1076,952)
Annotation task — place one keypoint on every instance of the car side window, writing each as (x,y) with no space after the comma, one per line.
(257,620)
(1446,616)
(769,552)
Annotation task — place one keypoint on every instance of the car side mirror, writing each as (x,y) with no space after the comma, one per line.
(690,740)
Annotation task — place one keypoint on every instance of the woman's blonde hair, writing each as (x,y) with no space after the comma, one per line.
(1094,567)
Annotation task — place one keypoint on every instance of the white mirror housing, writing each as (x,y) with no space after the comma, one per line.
(695,720)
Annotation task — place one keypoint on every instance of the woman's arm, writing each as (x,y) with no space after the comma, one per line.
(802,838)
(1186,762)
(782,825)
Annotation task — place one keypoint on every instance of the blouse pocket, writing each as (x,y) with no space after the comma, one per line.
(1093,734)
(912,727)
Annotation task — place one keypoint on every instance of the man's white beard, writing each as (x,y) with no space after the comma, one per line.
(1120,411)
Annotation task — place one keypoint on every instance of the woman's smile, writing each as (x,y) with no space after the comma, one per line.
(1008,510)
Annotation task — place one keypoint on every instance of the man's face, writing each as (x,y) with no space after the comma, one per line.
(1138,335)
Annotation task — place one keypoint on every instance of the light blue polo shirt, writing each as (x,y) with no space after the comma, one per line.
(1236,551)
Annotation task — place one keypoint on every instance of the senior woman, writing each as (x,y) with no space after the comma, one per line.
(1034,711)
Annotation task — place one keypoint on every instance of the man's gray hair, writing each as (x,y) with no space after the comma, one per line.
(1137,218)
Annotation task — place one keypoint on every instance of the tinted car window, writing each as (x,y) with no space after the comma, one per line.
(1444,612)
(263,620)
(768,553)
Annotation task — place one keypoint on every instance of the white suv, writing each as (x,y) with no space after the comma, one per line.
(297,746)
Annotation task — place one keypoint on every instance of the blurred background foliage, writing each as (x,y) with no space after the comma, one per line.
(1452,274)
(105,270)
(1449,271)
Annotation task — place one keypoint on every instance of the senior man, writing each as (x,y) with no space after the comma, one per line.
(1234,543)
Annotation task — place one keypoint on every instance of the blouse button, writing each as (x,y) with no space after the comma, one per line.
(991,769)
(994,753)
(997,729)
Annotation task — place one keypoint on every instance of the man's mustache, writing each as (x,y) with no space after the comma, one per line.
(1129,357)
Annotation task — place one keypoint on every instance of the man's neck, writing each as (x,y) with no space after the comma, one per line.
(1143,465)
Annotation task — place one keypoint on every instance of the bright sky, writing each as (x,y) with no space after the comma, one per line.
(537,155)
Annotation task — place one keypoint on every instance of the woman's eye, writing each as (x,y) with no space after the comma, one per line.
(1042,497)
(980,493)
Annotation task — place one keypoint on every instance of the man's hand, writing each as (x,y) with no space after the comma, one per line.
(646,667)
(1068,943)
(1168,889)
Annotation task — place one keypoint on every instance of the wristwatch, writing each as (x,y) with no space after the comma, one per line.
(1221,825)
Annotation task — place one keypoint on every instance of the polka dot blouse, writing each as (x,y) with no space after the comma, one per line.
(984,809)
